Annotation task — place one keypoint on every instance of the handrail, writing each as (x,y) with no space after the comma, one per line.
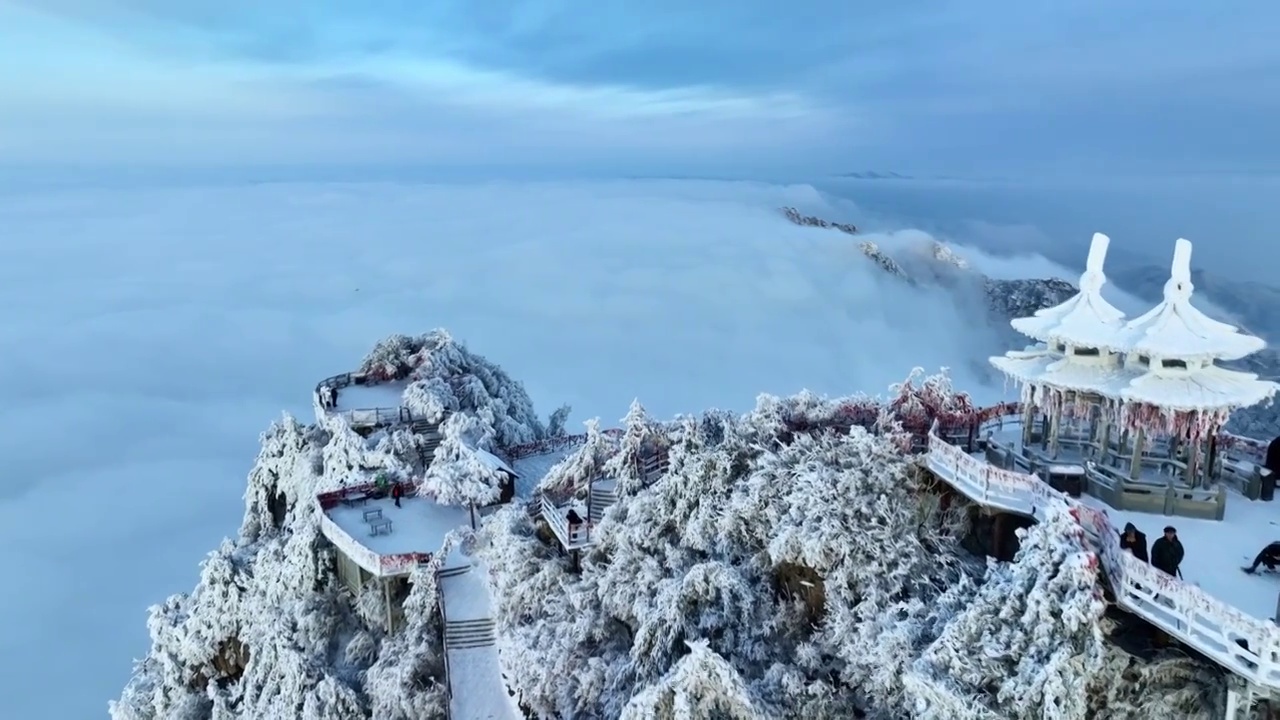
(1180,609)
(361,417)
(560,525)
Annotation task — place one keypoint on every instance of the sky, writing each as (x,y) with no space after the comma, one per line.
(729,87)
(151,335)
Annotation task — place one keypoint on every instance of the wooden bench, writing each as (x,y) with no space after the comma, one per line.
(380,527)
(372,514)
(353,500)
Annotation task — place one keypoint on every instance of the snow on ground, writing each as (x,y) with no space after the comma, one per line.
(475,674)
(466,597)
(1215,550)
(419,525)
(535,467)
(164,360)
(369,397)
(479,691)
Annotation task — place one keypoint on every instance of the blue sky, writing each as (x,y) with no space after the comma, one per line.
(805,85)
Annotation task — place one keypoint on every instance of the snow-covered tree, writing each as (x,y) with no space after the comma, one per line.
(721,549)
(701,686)
(642,436)
(451,377)
(1029,643)
(431,399)
(570,476)
(406,682)
(460,475)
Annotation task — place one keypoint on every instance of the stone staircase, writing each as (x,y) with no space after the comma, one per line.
(464,634)
(599,500)
(432,439)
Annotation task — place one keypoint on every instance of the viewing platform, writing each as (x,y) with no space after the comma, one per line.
(572,522)
(367,403)
(381,539)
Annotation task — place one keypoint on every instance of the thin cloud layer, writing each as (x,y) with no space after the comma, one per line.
(812,84)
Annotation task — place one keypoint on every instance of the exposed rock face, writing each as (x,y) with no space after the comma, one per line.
(886,263)
(1008,299)
(798,218)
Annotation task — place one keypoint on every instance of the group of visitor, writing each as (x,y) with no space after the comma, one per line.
(328,397)
(1166,551)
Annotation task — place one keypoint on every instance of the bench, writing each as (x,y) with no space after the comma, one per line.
(353,500)
(372,514)
(380,527)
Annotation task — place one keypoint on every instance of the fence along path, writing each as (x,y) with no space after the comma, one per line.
(1242,644)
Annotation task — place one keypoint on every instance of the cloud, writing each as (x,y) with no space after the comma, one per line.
(816,84)
(151,334)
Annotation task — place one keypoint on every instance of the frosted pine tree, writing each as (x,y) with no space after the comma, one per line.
(458,475)
(1029,644)
(407,680)
(570,476)
(431,399)
(642,436)
(702,685)
(1177,686)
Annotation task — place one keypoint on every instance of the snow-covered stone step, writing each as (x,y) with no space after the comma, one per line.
(453,571)
(469,633)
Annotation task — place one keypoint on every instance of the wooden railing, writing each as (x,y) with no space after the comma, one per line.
(1245,645)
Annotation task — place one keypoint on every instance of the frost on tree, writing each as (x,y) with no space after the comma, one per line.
(571,476)
(446,377)
(776,554)
(701,686)
(459,474)
(642,437)
(1029,643)
(268,632)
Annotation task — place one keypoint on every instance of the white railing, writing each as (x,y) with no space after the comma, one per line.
(1182,610)
(571,537)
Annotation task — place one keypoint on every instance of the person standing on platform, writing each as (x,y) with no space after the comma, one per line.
(1167,552)
(1134,541)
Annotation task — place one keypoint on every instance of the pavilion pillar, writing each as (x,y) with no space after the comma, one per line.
(1029,414)
(1135,462)
(1055,427)
(1103,436)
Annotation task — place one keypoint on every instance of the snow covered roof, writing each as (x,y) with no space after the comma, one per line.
(495,463)
(1206,388)
(1042,367)
(1176,329)
(1085,319)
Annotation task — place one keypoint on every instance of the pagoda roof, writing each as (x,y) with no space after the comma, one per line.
(1084,320)
(1177,329)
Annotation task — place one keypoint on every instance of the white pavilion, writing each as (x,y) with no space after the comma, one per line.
(1154,378)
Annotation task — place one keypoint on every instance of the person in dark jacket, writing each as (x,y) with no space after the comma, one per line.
(1272,463)
(397,492)
(1270,556)
(1134,541)
(1167,552)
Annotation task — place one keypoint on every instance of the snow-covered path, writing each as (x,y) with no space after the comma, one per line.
(478,691)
